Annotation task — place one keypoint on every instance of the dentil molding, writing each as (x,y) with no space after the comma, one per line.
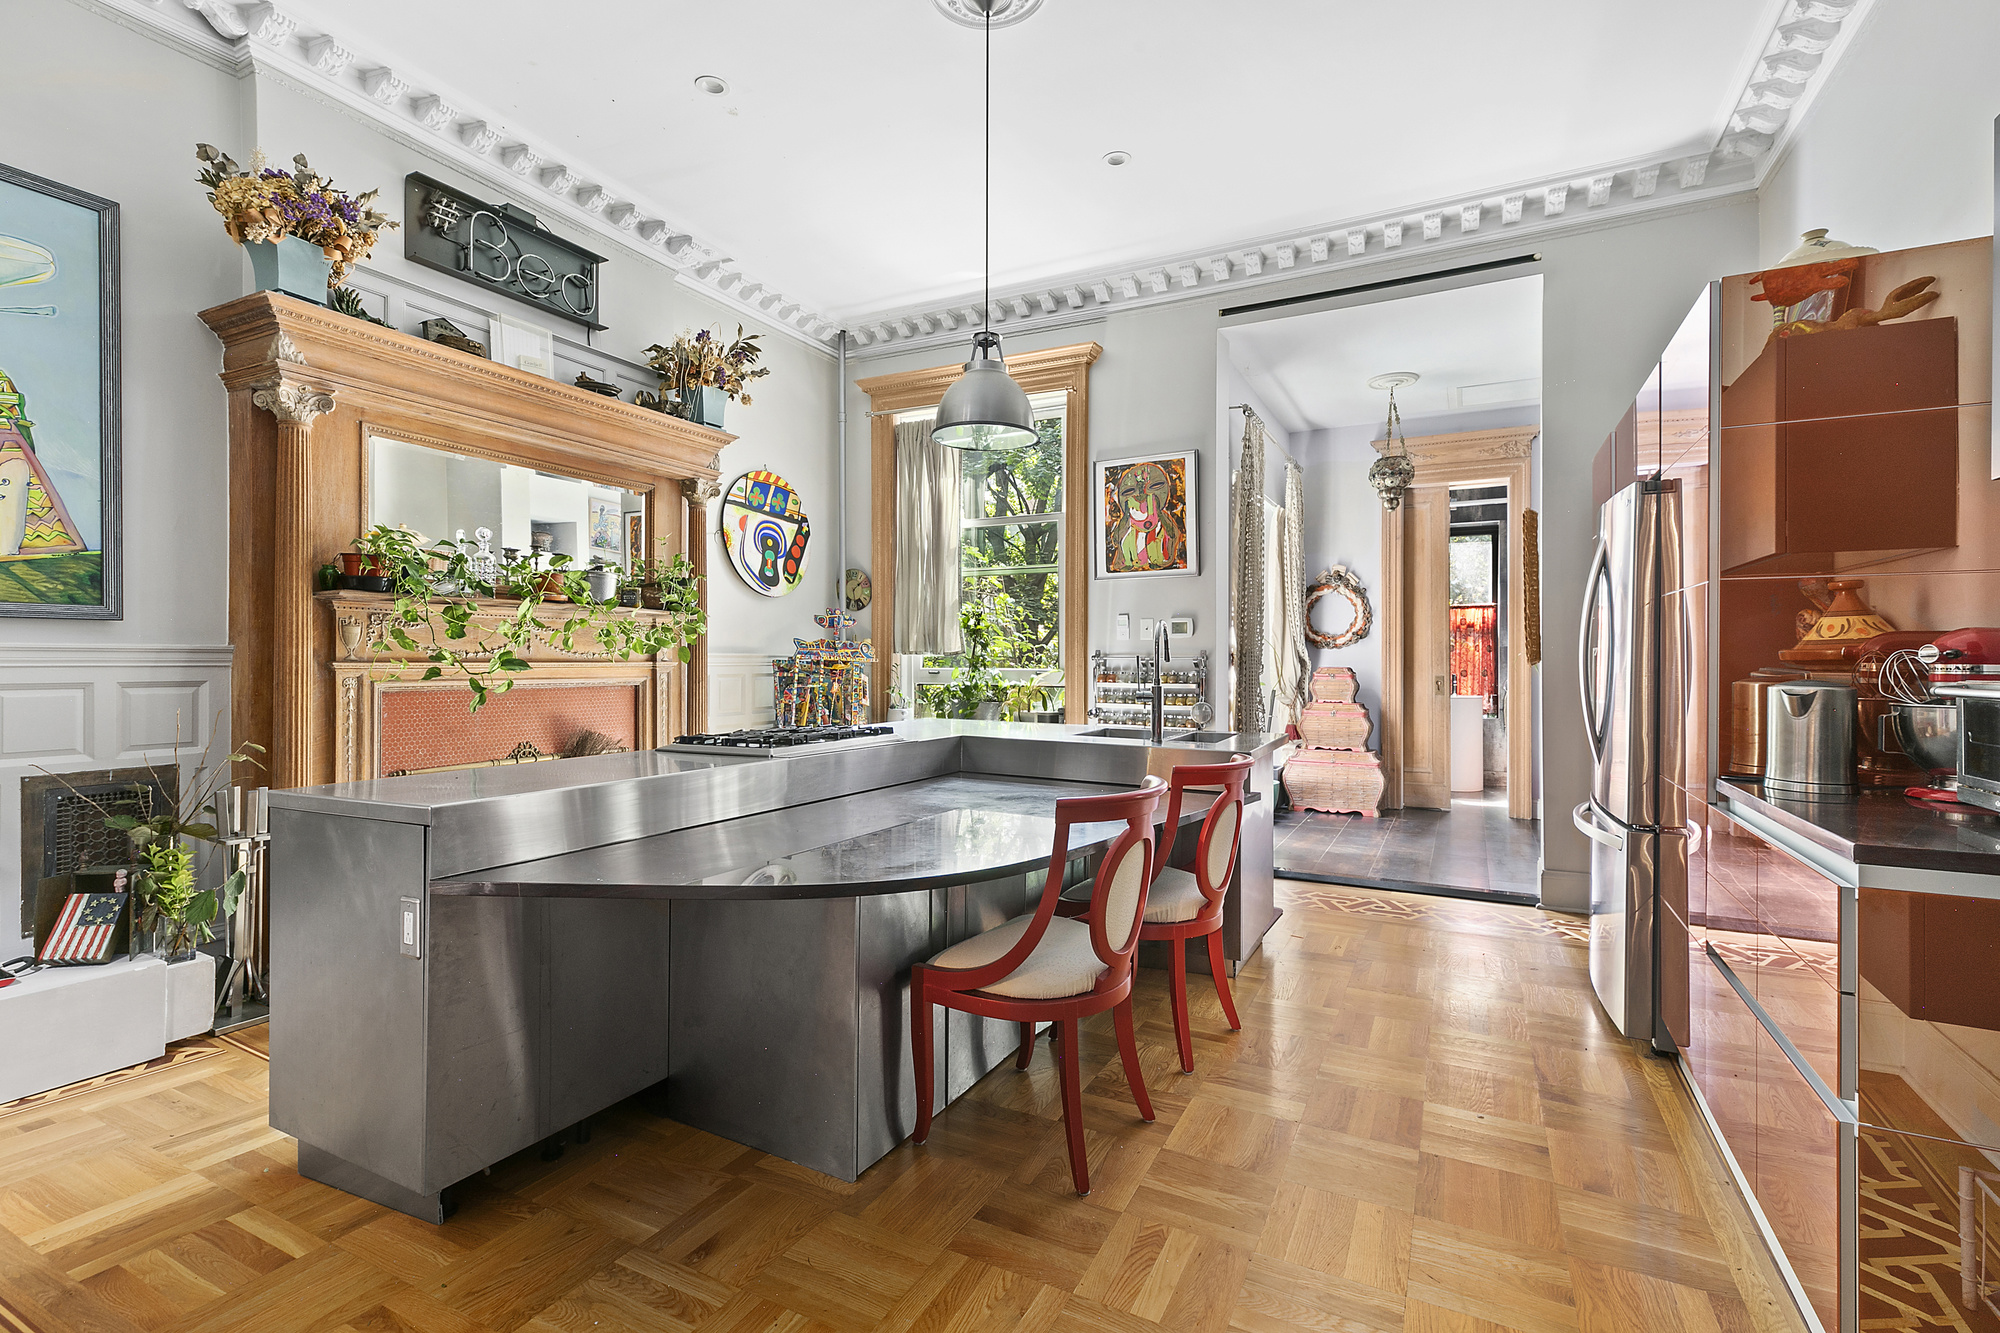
(1806,39)
(419,109)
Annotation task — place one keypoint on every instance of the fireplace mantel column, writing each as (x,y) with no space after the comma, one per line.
(700,492)
(295,405)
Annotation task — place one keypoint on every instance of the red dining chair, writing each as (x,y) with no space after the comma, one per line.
(1044,968)
(1183,905)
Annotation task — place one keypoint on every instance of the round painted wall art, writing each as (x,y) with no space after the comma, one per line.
(765,529)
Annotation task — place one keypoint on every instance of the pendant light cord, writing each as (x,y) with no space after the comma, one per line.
(986,310)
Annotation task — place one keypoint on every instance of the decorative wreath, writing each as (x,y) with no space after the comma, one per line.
(1338,580)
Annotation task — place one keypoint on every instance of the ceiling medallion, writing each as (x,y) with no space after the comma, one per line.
(1006,13)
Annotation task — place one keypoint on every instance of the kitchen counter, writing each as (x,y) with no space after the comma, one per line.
(1878,839)
(920,835)
(474,961)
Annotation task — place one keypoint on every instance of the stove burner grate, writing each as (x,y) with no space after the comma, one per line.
(772,738)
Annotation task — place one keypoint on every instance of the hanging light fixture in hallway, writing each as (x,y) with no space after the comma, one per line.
(986,409)
(1392,473)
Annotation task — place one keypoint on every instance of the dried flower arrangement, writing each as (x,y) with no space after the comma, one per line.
(702,360)
(261,203)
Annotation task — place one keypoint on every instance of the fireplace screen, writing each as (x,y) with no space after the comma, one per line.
(62,822)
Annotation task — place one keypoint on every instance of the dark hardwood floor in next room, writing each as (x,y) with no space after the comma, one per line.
(1424,1127)
(1473,846)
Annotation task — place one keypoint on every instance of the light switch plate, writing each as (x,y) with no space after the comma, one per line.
(1125,625)
(409,927)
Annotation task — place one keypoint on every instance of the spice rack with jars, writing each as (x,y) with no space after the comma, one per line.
(1121,689)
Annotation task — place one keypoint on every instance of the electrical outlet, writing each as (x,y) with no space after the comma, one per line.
(1145,629)
(409,928)
(1125,625)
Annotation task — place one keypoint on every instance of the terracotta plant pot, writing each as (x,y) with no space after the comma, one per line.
(353,563)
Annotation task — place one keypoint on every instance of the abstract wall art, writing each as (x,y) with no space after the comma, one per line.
(1147,516)
(765,529)
(59,401)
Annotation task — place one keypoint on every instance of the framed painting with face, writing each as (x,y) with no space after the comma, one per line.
(1146,516)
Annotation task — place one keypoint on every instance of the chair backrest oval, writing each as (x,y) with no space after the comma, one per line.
(1118,895)
(1222,830)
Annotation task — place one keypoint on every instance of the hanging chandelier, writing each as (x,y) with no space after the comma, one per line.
(1395,470)
(986,409)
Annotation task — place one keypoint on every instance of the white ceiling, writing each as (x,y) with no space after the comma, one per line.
(1312,371)
(843,164)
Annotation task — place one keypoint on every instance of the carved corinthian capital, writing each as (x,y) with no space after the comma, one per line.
(292,402)
(701,490)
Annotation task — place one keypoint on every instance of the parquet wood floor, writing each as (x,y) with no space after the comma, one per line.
(1424,1127)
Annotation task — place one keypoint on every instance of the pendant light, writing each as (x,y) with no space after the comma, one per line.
(986,409)
(1392,473)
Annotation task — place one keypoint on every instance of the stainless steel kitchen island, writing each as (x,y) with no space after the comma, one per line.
(469,963)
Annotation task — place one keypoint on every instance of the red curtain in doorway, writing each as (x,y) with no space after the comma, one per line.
(1475,650)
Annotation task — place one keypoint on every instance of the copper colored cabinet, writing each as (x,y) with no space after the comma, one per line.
(1841,441)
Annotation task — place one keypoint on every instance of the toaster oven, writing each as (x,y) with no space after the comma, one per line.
(1978,740)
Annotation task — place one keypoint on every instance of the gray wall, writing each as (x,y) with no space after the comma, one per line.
(1612,298)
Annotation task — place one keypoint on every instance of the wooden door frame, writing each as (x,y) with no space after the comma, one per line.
(1065,369)
(1465,458)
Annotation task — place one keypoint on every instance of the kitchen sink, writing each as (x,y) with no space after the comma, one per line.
(1201,737)
(1127,733)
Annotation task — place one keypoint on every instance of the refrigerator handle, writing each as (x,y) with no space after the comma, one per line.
(1592,724)
(1585,820)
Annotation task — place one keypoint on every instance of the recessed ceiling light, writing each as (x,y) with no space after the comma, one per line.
(712,85)
(1117,157)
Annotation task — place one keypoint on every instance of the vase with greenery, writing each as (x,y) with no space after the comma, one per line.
(452,634)
(699,372)
(170,906)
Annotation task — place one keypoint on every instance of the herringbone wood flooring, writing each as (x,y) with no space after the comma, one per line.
(1425,1126)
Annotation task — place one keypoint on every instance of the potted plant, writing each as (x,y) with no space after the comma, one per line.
(699,374)
(453,633)
(976,687)
(367,568)
(170,906)
(1027,699)
(302,233)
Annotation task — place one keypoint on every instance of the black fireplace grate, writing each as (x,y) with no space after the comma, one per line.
(62,822)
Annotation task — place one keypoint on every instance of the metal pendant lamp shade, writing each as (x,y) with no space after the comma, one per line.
(985,409)
(1395,471)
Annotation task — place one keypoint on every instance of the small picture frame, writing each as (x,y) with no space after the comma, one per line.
(524,345)
(1147,516)
(635,539)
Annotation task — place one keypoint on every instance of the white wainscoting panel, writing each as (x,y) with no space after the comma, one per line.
(44,720)
(165,713)
(739,691)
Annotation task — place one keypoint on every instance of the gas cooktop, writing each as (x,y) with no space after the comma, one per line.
(773,739)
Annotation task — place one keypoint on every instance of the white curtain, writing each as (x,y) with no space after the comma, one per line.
(1294,665)
(928,510)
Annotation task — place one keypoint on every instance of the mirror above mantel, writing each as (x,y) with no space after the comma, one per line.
(444,493)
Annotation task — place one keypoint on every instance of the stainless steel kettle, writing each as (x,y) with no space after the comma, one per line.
(1809,734)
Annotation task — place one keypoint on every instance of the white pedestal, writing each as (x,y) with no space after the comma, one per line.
(1468,742)
(190,997)
(66,1024)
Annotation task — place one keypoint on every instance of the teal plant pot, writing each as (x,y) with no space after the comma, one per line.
(705,406)
(292,266)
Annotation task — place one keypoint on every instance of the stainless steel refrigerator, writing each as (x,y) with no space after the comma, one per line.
(1634,665)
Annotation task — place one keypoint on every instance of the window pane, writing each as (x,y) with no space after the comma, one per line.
(1017,481)
(1014,570)
(1472,569)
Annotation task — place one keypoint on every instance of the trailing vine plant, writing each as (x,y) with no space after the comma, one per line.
(437,613)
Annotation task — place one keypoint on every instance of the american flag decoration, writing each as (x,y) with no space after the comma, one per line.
(84,929)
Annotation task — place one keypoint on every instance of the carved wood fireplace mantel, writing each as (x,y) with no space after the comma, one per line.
(307,388)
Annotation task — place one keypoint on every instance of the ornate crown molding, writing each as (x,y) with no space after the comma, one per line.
(1469,446)
(421,110)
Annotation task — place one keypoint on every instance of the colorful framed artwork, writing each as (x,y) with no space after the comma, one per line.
(607,528)
(1147,516)
(635,539)
(59,402)
(765,530)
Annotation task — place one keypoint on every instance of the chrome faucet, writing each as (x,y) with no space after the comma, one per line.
(1161,655)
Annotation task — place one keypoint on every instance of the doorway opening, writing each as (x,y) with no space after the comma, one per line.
(1444,572)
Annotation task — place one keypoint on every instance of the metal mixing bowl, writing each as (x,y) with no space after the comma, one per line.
(1928,734)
